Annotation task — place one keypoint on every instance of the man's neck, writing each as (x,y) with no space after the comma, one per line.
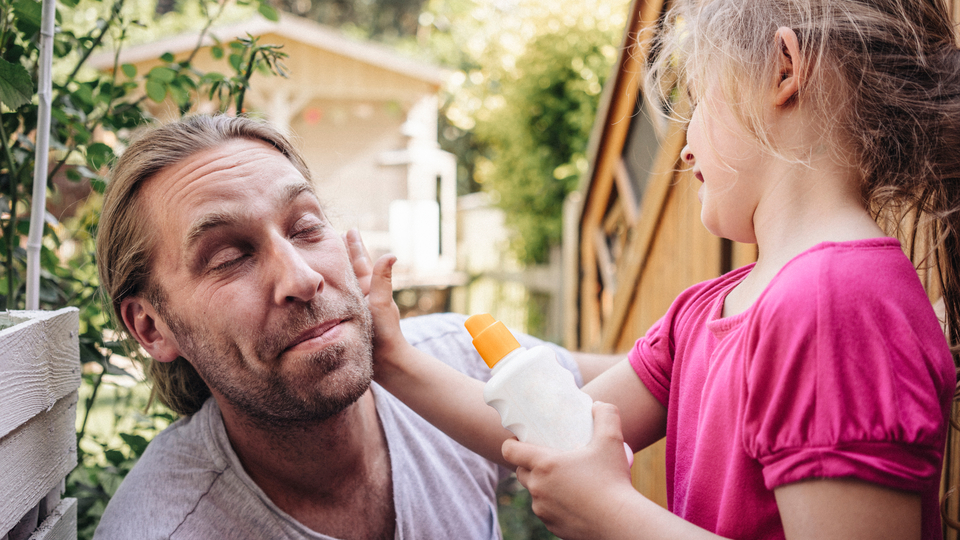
(325,475)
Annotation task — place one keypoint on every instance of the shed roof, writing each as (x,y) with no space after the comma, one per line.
(292,27)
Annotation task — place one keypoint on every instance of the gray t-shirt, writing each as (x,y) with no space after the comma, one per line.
(189,483)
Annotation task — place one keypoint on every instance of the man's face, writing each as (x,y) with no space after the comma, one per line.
(256,286)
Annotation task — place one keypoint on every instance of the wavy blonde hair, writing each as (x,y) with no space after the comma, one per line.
(882,75)
(126,240)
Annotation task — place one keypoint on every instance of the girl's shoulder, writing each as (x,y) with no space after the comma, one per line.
(852,294)
(846,271)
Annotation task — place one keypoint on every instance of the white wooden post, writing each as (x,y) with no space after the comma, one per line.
(39,377)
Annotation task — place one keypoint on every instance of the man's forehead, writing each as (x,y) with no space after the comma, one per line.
(233,177)
(235,168)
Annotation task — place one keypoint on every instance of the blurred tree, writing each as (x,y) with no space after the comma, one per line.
(537,131)
(519,109)
(375,19)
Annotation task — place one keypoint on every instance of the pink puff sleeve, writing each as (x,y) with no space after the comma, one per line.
(652,360)
(849,376)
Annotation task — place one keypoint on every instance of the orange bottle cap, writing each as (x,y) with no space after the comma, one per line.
(491,338)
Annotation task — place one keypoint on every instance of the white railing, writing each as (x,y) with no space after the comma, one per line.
(39,377)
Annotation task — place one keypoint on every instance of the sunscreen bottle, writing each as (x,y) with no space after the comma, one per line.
(538,400)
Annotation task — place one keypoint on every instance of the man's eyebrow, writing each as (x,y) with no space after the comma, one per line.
(292,191)
(220,219)
(207,223)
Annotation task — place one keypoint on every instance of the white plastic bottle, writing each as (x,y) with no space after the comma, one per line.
(538,400)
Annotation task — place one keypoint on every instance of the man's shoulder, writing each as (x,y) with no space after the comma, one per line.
(165,486)
(443,336)
(434,327)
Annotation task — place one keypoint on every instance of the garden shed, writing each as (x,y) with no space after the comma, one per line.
(640,238)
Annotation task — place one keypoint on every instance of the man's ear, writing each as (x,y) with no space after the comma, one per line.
(146,326)
(790,74)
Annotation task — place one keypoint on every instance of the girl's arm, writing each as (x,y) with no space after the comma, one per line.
(847,509)
(587,494)
(448,399)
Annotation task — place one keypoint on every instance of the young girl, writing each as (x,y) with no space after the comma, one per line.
(806,395)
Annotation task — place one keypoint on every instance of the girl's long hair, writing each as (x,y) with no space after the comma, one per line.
(882,75)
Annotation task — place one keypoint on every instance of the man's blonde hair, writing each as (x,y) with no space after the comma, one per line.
(126,240)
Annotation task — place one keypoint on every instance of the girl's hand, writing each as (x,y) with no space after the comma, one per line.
(376,284)
(580,493)
(360,258)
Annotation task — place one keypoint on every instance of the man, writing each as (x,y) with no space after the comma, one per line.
(220,262)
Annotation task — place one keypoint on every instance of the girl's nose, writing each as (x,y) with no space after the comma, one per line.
(687,155)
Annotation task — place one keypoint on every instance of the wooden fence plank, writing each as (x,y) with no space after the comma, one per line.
(39,363)
(61,523)
(36,457)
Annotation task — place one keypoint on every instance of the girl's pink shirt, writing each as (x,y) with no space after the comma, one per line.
(840,369)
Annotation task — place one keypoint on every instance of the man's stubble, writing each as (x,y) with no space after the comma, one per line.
(268,399)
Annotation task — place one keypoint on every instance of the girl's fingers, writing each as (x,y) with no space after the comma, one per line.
(522,455)
(606,420)
(380,283)
(359,258)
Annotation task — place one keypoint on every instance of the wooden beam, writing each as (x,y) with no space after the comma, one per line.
(39,363)
(60,524)
(658,187)
(608,271)
(36,457)
(590,325)
(622,106)
(614,219)
(628,196)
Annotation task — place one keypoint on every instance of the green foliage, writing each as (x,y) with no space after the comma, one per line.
(376,19)
(103,461)
(538,137)
(517,521)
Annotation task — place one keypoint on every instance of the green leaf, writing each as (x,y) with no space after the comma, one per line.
(98,185)
(98,155)
(27,14)
(217,52)
(137,443)
(162,74)
(268,12)
(180,95)
(16,88)
(167,57)
(129,70)
(84,93)
(156,91)
(115,457)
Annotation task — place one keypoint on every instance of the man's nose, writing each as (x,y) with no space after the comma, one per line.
(295,279)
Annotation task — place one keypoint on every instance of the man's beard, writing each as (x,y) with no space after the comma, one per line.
(268,399)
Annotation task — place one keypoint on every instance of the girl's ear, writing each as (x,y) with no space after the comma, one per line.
(790,74)
(146,326)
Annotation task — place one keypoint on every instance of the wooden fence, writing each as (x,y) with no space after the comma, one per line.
(39,377)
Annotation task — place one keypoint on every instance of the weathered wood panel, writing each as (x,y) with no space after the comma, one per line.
(61,523)
(680,254)
(39,363)
(34,458)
